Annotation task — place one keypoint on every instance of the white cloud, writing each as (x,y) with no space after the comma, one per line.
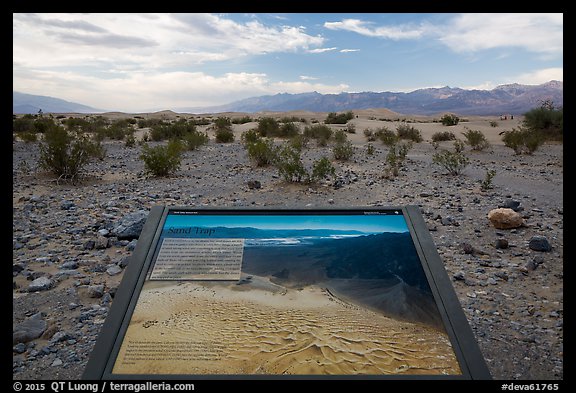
(365,28)
(539,33)
(307,78)
(349,50)
(540,76)
(144,91)
(322,50)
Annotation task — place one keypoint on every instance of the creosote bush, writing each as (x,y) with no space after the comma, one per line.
(449,120)
(476,139)
(405,131)
(289,163)
(523,140)
(162,160)
(65,153)
(453,161)
(441,136)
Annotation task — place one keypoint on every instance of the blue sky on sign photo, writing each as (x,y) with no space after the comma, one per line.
(145,62)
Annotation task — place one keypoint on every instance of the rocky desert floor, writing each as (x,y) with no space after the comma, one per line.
(67,263)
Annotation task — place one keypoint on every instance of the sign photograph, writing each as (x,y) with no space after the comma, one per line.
(282,293)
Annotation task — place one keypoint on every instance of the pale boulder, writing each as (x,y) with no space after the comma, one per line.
(504,218)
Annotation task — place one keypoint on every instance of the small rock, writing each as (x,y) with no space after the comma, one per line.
(57,362)
(19,348)
(511,204)
(67,205)
(59,337)
(96,291)
(504,218)
(29,330)
(69,265)
(131,245)
(101,242)
(254,184)
(89,245)
(459,276)
(130,226)
(539,243)
(114,270)
(501,243)
(40,284)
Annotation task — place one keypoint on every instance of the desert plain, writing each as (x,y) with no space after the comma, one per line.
(511,294)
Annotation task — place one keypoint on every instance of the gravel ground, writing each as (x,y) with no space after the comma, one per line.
(511,295)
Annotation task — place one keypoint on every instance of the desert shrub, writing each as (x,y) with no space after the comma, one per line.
(340,136)
(65,154)
(261,151)
(459,146)
(242,120)
(476,139)
(195,139)
(162,160)
(130,140)
(223,132)
(405,131)
(28,137)
(249,136)
(493,124)
(43,124)
(449,119)
(486,184)
(338,118)
(443,136)
(288,130)
(202,121)
(369,134)
(351,128)
(23,124)
(299,141)
(321,169)
(289,164)
(289,119)
(453,161)
(320,132)
(224,135)
(386,136)
(370,149)
(523,140)
(178,129)
(343,151)
(396,157)
(268,127)
(547,120)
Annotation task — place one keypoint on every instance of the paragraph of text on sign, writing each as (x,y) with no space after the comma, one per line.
(199,259)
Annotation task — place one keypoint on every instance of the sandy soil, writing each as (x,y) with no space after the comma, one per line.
(222,328)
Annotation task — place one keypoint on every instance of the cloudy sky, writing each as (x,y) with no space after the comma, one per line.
(144,62)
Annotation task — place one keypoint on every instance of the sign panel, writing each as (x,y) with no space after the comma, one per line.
(283,292)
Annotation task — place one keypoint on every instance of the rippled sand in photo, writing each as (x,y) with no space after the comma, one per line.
(264,328)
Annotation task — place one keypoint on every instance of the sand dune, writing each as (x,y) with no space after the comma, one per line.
(260,328)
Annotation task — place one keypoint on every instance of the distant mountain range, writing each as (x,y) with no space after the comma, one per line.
(31,104)
(512,98)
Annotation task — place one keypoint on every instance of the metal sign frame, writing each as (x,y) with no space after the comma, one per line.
(103,357)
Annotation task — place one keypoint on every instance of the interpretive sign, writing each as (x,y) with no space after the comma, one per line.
(228,293)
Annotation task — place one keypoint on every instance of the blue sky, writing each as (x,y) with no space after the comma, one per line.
(144,62)
(367,224)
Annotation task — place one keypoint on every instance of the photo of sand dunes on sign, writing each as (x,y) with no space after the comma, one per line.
(260,327)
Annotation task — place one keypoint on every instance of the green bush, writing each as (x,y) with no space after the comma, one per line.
(396,157)
(195,139)
(223,132)
(369,134)
(386,136)
(66,154)
(28,137)
(476,139)
(370,149)
(443,136)
(130,140)
(340,136)
(547,120)
(523,140)
(261,151)
(249,136)
(23,124)
(486,184)
(321,132)
(268,127)
(338,118)
(288,130)
(343,151)
(178,129)
(242,120)
(405,131)
(162,160)
(321,169)
(289,164)
(449,119)
(453,161)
